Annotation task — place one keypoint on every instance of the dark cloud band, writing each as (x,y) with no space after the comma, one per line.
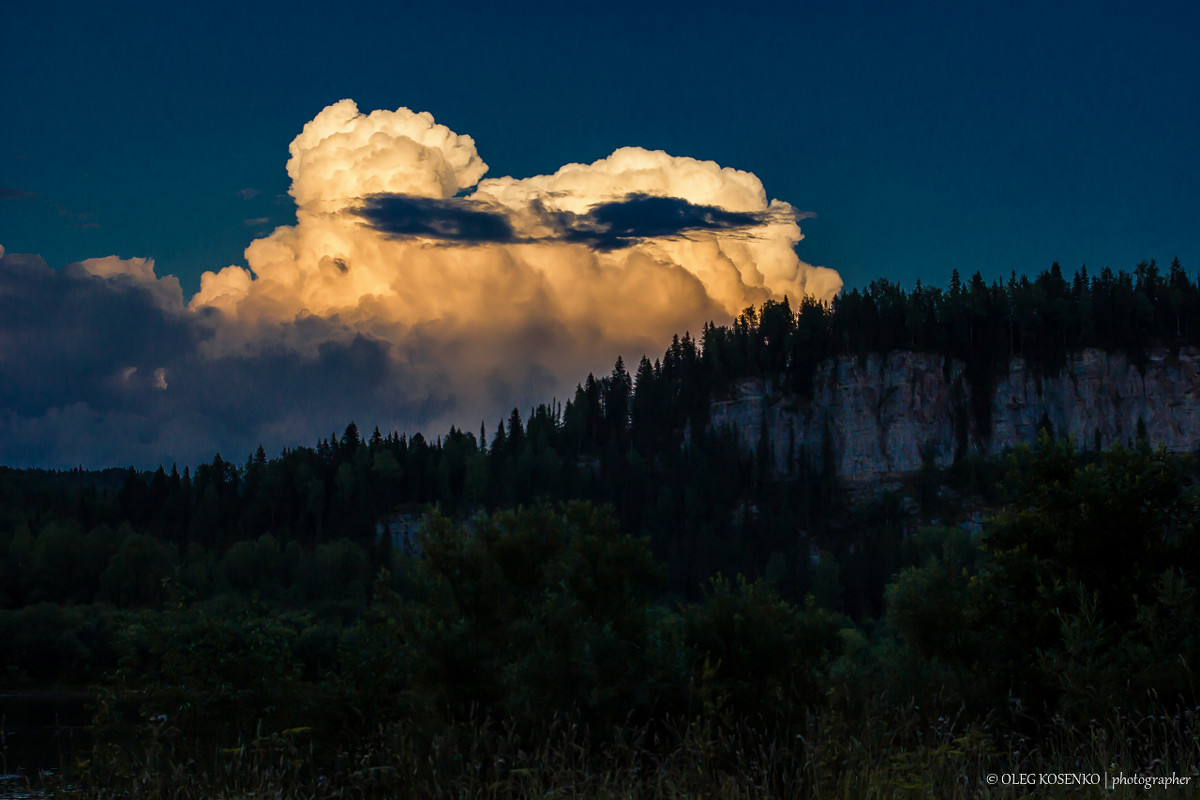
(455,219)
(607,226)
(13,193)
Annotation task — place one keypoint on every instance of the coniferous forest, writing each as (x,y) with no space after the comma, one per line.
(605,593)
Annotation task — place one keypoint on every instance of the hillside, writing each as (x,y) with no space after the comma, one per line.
(779,532)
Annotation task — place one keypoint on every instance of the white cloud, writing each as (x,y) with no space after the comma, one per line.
(458,314)
(521,289)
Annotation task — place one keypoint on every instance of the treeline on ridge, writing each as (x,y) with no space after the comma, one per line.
(981,326)
(638,442)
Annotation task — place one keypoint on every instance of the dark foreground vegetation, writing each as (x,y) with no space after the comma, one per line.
(606,599)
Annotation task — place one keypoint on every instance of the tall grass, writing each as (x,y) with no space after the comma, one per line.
(882,753)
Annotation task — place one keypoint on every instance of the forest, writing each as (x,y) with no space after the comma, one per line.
(606,592)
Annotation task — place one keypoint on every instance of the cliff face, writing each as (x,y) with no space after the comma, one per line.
(874,419)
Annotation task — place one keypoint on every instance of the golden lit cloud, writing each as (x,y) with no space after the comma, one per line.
(522,285)
(411,293)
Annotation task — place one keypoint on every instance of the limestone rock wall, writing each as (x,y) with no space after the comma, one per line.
(875,419)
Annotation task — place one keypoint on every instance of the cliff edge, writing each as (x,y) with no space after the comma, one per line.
(875,419)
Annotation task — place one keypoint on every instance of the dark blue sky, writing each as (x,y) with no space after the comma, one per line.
(925,136)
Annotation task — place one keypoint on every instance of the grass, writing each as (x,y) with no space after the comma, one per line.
(892,753)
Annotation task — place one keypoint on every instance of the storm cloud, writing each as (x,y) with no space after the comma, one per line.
(107,369)
(411,293)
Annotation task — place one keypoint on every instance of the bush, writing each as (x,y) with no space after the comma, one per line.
(535,613)
(759,657)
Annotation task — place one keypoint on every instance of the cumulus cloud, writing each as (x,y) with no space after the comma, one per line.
(411,292)
(135,272)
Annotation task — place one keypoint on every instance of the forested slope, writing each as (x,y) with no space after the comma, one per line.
(620,558)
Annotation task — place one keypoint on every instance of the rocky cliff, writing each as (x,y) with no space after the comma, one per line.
(874,419)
